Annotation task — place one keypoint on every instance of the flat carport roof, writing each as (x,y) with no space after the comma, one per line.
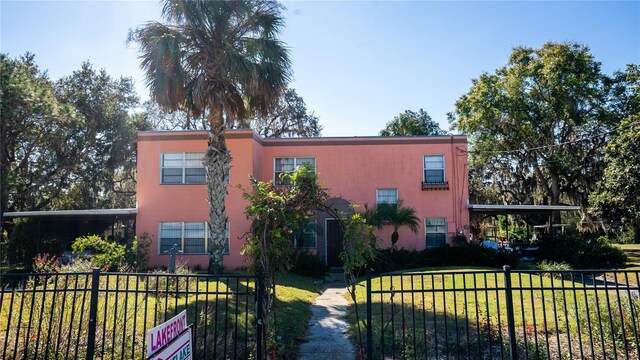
(519,209)
(91,214)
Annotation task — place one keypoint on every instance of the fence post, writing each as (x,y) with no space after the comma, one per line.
(510,317)
(369,317)
(259,315)
(93,313)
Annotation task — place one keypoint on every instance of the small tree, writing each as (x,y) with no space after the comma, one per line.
(276,213)
(397,216)
(360,248)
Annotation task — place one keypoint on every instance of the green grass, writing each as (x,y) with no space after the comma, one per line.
(14,268)
(294,295)
(441,316)
(633,263)
(123,317)
(633,253)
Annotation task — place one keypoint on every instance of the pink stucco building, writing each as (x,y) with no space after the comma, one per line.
(429,173)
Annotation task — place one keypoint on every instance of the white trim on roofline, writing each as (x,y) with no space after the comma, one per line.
(523,207)
(88,212)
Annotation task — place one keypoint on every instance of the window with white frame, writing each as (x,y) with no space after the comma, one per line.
(288,165)
(170,234)
(387,196)
(307,238)
(182,168)
(434,169)
(190,237)
(194,238)
(436,230)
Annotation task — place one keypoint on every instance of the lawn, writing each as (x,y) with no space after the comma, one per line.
(39,321)
(633,252)
(294,295)
(463,313)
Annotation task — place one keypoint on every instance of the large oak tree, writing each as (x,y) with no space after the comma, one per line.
(537,125)
(410,123)
(68,144)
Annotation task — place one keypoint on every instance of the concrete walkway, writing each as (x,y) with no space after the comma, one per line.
(328,328)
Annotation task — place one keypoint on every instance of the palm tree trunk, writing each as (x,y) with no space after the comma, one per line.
(217,164)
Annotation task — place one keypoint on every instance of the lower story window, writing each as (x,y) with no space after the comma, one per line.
(194,238)
(436,230)
(387,196)
(170,234)
(307,238)
(189,237)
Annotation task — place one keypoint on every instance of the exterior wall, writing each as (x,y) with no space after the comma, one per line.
(351,168)
(354,170)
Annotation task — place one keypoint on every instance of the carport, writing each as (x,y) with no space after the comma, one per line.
(80,222)
(546,211)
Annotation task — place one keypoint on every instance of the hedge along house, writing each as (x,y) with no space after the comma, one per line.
(429,173)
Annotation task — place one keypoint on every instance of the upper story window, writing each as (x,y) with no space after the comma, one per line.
(182,168)
(434,169)
(307,238)
(190,237)
(387,196)
(288,165)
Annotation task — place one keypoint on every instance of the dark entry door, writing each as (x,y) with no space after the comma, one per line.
(334,243)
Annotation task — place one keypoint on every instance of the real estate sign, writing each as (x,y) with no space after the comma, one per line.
(160,336)
(179,349)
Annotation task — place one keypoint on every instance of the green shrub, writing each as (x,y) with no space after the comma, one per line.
(547,265)
(580,251)
(107,254)
(401,259)
(469,255)
(626,236)
(459,240)
(138,254)
(307,264)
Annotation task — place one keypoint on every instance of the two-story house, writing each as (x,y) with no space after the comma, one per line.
(429,173)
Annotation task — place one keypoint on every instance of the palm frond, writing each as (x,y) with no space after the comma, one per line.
(162,60)
(216,54)
(397,216)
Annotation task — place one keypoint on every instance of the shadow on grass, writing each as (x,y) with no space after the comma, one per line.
(404,330)
(224,323)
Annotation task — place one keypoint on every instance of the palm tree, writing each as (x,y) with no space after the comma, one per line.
(397,216)
(220,59)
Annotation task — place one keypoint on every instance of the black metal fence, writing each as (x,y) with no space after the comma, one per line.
(107,315)
(592,314)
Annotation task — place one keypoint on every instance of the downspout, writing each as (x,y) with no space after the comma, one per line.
(454,185)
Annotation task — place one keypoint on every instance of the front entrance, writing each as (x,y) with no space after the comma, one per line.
(334,242)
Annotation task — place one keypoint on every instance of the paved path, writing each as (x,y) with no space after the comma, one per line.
(328,328)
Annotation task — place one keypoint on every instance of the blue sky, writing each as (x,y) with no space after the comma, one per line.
(356,64)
